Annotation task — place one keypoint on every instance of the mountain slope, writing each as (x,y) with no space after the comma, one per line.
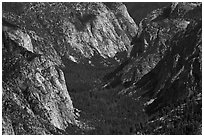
(35,96)
(49,49)
(86,68)
(87,37)
(139,10)
(164,71)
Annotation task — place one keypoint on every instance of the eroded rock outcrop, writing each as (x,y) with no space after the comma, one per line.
(35,96)
(47,46)
(156,90)
(164,73)
(154,34)
(79,30)
(85,37)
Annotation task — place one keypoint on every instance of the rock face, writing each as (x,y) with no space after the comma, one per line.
(35,96)
(79,30)
(150,45)
(89,36)
(164,70)
(56,55)
(49,45)
(179,70)
(139,10)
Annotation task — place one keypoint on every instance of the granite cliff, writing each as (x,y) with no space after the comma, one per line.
(164,71)
(49,46)
(87,68)
(89,36)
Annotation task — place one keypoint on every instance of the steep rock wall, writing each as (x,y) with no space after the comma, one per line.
(79,30)
(48,45)
(35,96)
(88,38)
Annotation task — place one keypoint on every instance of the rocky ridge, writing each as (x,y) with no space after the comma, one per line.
(37,49)
(90,36)
(35,96)
(78,30)
(155,33)
(164,71)
(149,92)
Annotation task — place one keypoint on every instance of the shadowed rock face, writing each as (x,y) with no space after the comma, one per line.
(139,10)
(91,36)
(155,33)
(164,70)
(178,74)
(35,96)
(48,45)
(61,74)
(79,30)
